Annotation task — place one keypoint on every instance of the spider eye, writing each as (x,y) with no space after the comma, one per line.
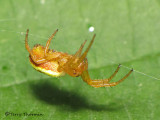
(74,72)
(76,75)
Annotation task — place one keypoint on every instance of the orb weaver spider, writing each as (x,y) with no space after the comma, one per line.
(56,63)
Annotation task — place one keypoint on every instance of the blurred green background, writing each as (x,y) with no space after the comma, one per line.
(127,33)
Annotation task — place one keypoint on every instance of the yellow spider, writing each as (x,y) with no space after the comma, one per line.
(56,63)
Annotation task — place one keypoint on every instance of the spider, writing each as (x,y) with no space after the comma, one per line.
(56,63)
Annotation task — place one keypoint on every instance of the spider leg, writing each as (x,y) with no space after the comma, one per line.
(127,75)
(26,42)
(110,78)
(78,53)
(102,82)
(85,53)
(43,60)
(40,61)
(28,48)
(47,46)
(48,42)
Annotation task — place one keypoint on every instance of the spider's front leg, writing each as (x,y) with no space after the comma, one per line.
(103,82)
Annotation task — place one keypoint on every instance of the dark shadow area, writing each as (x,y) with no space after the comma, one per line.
(67,100)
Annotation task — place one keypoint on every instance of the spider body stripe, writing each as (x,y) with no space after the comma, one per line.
(56,64)
(46,68)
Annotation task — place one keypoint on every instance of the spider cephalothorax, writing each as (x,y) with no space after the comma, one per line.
(75,68)
(56,63)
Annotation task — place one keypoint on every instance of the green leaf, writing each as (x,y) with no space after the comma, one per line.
(127,32)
